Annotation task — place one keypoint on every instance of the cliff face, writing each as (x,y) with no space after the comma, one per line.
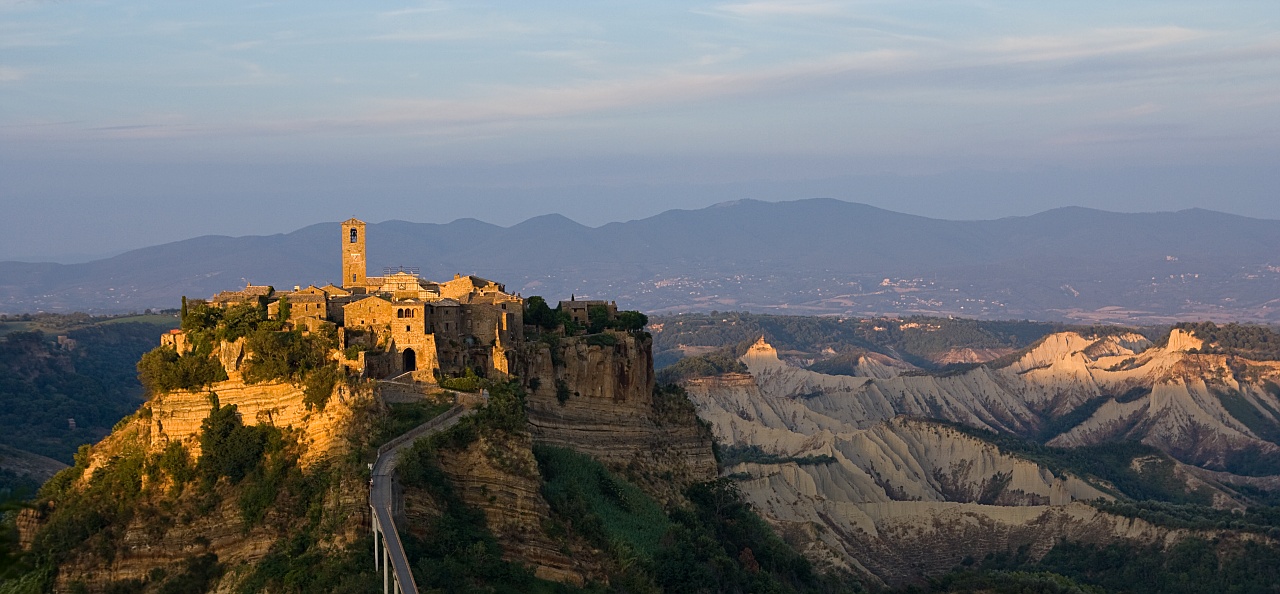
(176,416)
(853,477)
(499,476)
(167,526)
(599,399)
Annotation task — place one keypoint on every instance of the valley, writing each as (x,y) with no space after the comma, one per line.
(880,454)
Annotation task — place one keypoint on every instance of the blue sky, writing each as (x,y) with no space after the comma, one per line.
(124,124)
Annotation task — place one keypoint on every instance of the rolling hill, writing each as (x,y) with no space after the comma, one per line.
(817,256)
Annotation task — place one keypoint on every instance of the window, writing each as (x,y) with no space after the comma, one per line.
(353,277)
(399,313)
(353,236)
(406,328)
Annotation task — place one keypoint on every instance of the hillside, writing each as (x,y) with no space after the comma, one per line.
(808,256)
(579,475)
(87,376)
(902,473)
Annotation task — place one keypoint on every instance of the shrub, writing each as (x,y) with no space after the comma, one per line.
(469,382)
(162,370)
(562,391)
(231,449)
(602,339)
(280,355)
(319,386)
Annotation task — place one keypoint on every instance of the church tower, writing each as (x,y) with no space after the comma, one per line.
(353,254)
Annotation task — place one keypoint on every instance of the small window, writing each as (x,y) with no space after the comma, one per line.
(353,236)
(399,313)
(406,328)
(353,277)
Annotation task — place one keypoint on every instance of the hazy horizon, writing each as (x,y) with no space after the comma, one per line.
(79,258)
(129,124)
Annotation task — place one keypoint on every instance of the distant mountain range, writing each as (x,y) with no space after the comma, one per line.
(818,256)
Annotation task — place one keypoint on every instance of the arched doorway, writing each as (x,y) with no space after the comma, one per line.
(410,360)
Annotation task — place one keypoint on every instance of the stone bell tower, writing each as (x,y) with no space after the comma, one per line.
(353,254)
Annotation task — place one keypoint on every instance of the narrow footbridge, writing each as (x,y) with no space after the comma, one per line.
(386,502)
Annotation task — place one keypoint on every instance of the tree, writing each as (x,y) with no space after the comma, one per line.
(538,313)
(631,320)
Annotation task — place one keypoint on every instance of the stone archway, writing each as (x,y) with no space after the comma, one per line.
(410,360)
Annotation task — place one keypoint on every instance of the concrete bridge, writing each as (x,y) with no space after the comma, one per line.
(387,504)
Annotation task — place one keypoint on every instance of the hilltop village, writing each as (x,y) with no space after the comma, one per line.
(399,322)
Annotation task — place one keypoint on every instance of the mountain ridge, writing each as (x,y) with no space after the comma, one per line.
(819,255)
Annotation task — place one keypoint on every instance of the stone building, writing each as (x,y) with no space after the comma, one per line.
(398,322)
(579,310)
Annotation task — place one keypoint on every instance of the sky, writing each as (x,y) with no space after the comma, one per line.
(128,124)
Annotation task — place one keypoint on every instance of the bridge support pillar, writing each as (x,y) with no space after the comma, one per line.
(374,516)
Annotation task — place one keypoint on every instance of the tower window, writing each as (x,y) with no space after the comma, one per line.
(353,236)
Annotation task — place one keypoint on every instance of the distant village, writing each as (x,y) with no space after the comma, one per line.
(400,323)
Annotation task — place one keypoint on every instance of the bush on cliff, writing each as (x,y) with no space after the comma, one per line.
(164,370)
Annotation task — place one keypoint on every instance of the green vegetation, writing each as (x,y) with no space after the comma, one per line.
(606,340)
(1192,566)
(58,323)
(17,486)
(92,518)
(539,316)
(10,556)
(716,544)
(162,369)
(538,313)
(1260,343)
(43,384)
(286,355)
(1264,519)
(402,417)
(461,555)
(1111,462)
(198,575)
(231,449)
(738,454)
(319,385)
(1056,426)
(503,413)
(468,382)
(278,354)
(714,363)
(610,513)
(562,391)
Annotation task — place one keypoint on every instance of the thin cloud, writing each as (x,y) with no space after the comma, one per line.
(757,9)
(1092,43)
(436,34)
(403,12)
(10,74)
(873,69)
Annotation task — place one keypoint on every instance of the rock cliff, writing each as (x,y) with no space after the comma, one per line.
(599,399)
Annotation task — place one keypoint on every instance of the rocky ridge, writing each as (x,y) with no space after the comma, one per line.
(859,479)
